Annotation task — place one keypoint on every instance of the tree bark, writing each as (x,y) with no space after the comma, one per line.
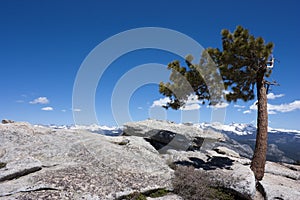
(260,151)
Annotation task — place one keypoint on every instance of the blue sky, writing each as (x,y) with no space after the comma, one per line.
(44,43)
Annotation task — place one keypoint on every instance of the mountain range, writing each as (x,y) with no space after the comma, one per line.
(283,145)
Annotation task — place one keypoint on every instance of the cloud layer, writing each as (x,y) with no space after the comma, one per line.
(273,109)
(40,100)
(238,106)
(219,105)
(274,96)
(161,102)
(47,108)
(283,108)
(192,103)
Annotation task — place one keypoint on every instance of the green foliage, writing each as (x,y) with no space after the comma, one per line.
(241,61)
(202,79)
(159,193)
(221,194)
(143,196)
(2,165)
(237,69)
(136,196)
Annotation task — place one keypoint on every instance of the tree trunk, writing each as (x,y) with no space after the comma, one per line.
(260,151)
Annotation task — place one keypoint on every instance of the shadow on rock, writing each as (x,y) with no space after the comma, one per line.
(212,164)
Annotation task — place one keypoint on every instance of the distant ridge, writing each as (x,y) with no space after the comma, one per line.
(283,144)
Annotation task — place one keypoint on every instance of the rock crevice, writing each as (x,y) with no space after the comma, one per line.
(19,168)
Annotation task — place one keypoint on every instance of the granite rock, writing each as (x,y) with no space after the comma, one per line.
(166,135)
(65,164)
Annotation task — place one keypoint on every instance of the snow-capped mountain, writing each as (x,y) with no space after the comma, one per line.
(243,129)
(283,145)
(235,128)
(105,130)
(94,128)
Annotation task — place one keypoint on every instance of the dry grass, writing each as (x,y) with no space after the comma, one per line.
(194,184)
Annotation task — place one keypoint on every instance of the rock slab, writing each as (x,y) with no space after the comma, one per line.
(166,135)
(43,163)
(281,181)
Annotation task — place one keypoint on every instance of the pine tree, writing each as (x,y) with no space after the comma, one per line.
(242,64)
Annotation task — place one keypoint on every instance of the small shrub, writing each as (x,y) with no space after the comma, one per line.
(220,194)
(159,193)
(191,185)
(136,196)
(194,184)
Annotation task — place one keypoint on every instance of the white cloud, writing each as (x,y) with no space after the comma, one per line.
(271,112)
(253,106)
(192,103)
(287,107)
(140,108)
(247,112)
(238,106)
(219,105)
(274,96)
(40,100)
(47,108)
(76,109)
(63,110)
(239,110)
(192,99)
(161,102)
(191,107)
